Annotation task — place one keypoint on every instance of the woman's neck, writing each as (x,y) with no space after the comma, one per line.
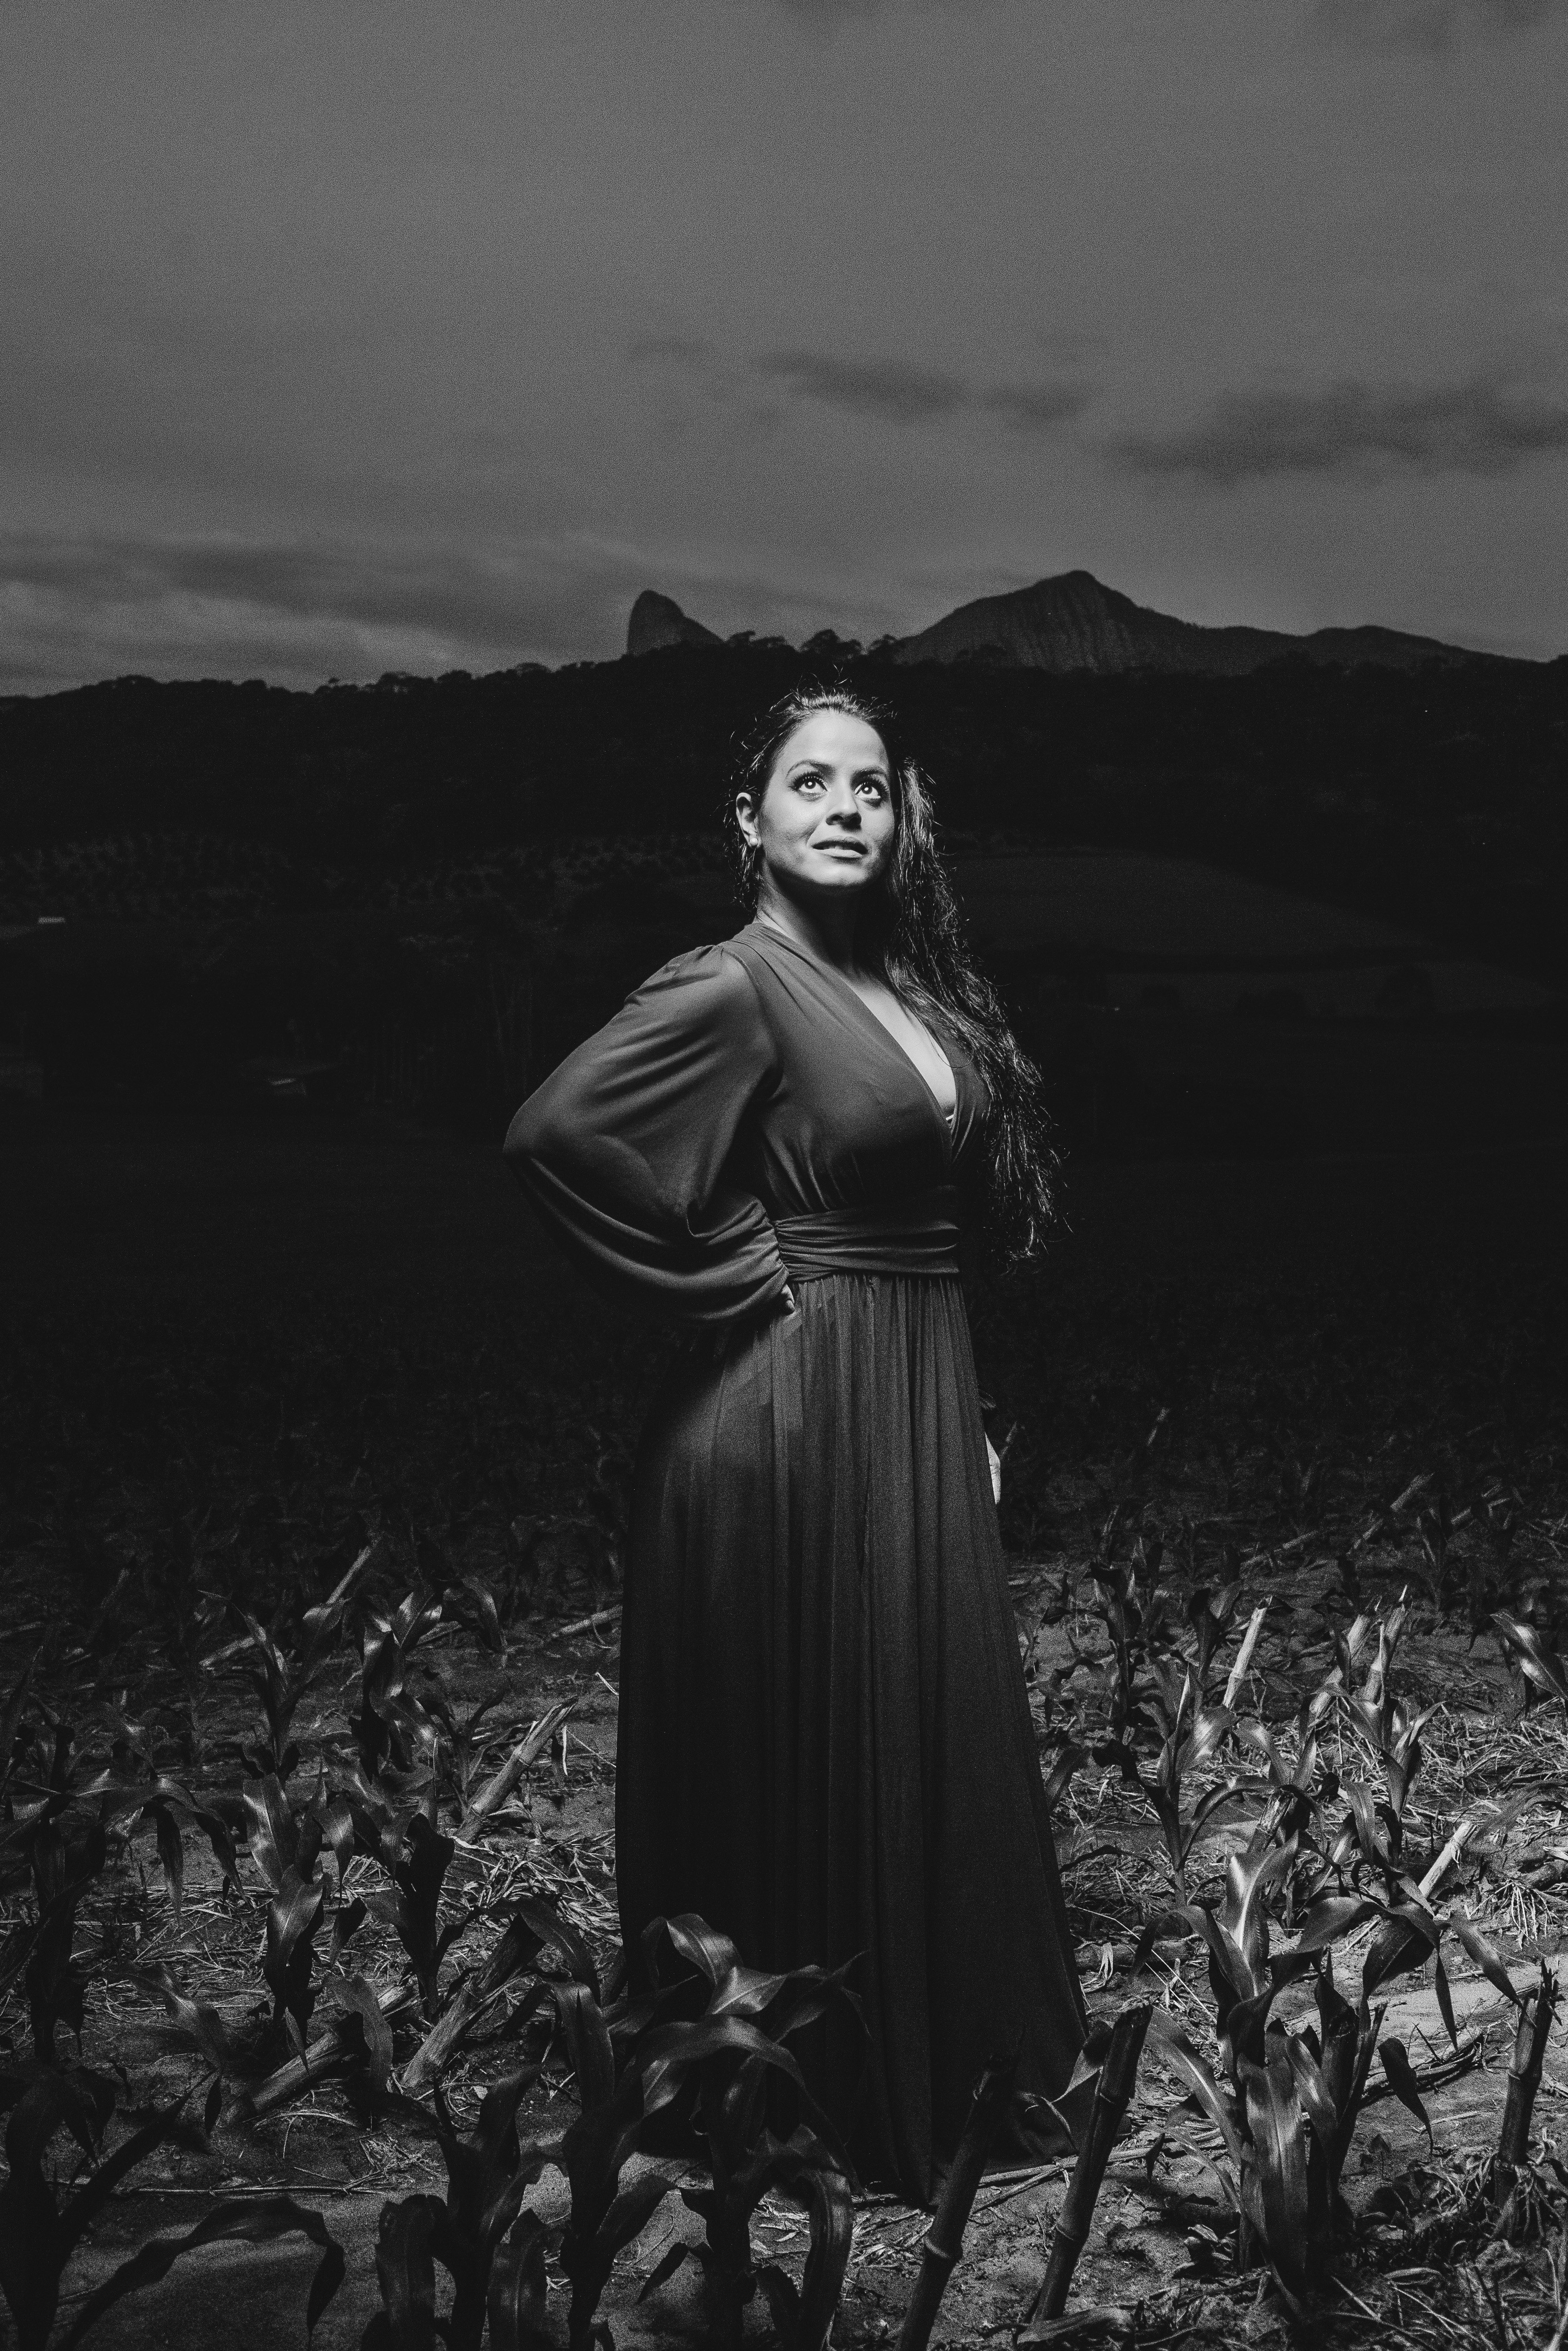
(825,928)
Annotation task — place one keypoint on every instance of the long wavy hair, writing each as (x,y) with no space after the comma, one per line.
(912,927)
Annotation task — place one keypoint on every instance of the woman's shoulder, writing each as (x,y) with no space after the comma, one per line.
(713,971)
(698,1012)
(707,987)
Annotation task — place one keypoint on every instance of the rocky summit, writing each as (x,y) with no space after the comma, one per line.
(658,621)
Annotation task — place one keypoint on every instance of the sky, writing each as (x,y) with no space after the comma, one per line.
(340,338)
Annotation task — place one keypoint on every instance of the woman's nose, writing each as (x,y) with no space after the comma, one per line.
(842,805)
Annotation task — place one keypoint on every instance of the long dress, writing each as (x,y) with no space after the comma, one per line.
(825,1745)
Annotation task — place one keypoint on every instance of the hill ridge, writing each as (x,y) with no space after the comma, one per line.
(1072,622)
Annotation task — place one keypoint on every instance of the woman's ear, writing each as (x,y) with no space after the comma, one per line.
(746,818)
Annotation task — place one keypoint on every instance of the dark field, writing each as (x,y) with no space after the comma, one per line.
(242,1333)
(236,1349)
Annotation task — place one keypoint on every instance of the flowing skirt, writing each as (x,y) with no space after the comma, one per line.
(825,1745)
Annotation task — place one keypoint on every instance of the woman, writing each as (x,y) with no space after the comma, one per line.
(825,1744)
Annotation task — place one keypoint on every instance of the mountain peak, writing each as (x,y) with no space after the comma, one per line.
(1073,622)
(658,621)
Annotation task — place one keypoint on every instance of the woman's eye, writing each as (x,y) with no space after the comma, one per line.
(808,783)
(874,788)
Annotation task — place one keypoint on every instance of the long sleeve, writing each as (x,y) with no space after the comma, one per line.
(623,1149)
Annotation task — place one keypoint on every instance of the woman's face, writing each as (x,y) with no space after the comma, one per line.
(825,821)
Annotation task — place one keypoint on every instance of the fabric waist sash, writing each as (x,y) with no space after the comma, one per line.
(918,1235)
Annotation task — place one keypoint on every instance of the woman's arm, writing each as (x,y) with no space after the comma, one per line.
(622,1150)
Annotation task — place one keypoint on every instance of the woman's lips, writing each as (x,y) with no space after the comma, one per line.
(841,847)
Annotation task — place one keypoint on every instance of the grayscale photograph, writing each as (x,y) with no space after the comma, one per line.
(784,1161)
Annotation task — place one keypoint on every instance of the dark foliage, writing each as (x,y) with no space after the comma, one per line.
(39,2233)
(1435,795)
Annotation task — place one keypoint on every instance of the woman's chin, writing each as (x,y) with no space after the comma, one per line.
(838,874)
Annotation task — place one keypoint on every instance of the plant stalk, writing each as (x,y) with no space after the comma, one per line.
(1530,2040)
(302,2074)
(1446,1858)
(943,2239)
(1112,2097)
(1238,1671)
(495,1792)
(473,1995)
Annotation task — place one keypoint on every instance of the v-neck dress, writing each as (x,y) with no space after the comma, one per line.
(825,1745)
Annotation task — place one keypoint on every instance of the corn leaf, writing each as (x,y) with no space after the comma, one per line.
(518,2289)
(1313,2090)
(1274,2181)
(1332,1915)
(197,2019)
(1540,1665)
(255,2222)
(1402,2080)
(1174,2050)
(405,2270)
(1486,1955)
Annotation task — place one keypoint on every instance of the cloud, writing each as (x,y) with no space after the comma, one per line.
(894,392)
(890,390)
(1432,26)
(1038,408)
(297,612)
(1480,426)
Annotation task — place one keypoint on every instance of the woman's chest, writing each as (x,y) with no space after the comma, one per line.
(848,1115)
(914,1040)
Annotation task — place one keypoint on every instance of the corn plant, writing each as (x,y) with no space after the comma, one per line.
(604,2217)
(1533,2026)
(1370,1842)
(1208,1616)
(519,2288)
(460,1749)
(1285,2103)
(1092,2141)
(39,2234)
(280,1684)
(285,1848)
(1189,1733)
(943,2244)
(62,1871)
(12,1711)
(1542,1671)
(1393,1734)
(75,1822)
(412,1906)
(489,2174)
(535,1933)
(352,2047)
(1132,1609)
(491,2249)
(747,2162)
(172,1809)
(281,1679)
(727,2055)
(471,1601)
(392,1722)
(416,1856)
